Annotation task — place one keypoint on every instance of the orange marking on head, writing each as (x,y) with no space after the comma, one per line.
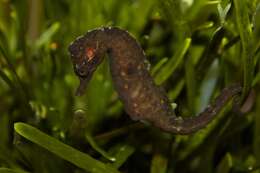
(90,52)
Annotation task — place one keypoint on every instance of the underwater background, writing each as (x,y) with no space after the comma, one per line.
(194,49)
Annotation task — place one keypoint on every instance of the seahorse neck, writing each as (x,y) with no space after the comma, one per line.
(124,45)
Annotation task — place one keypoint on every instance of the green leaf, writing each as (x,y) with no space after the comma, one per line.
(3,39)
(256,79)
(7,170)
(206,25)
(18,81)
(122,152)
(173,63)
(223,12)
(94,145)
(173,93)
(256,22)
(158,66)
(210,53)
(64,151)
(226,164)
(47,35)
(195,8)
(7,80)
(159,164)
(245,32)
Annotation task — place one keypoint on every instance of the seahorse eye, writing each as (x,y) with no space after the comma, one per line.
(90,53)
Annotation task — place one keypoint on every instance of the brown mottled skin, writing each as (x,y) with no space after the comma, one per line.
(143,100)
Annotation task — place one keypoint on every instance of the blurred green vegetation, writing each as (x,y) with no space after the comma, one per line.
(194,49)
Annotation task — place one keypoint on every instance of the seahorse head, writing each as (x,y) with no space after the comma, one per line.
(86,53)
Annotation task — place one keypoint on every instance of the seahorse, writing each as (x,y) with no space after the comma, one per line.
(143,100)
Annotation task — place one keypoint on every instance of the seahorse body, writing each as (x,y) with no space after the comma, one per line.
(142,98)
